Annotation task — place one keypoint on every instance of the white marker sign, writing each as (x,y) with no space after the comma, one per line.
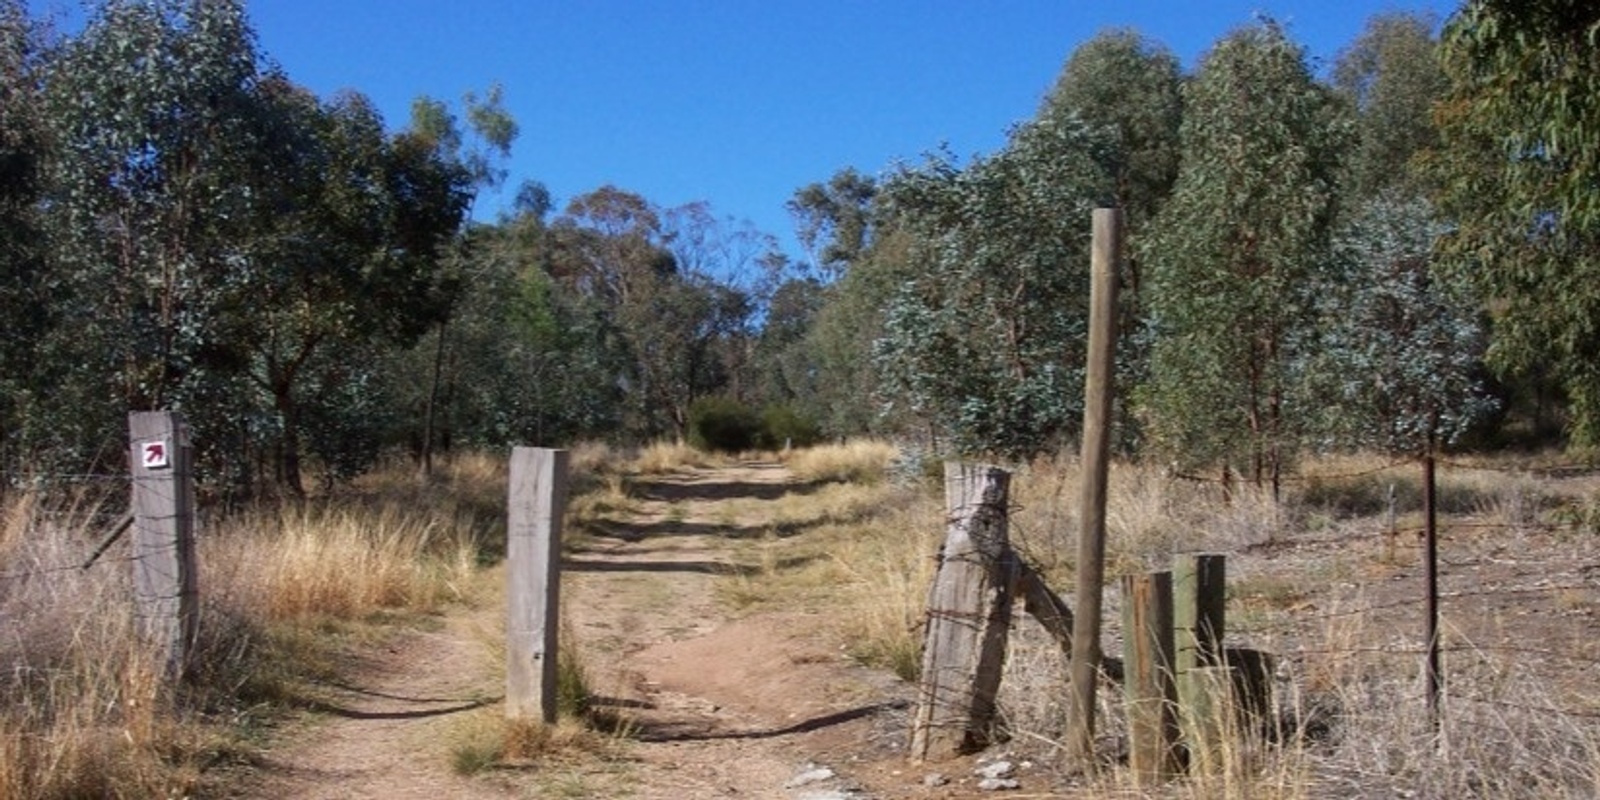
(155,455)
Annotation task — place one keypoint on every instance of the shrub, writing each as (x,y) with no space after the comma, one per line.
(782,425)
(722,424)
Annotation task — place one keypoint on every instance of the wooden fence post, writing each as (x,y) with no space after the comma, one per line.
(969,612)
(1199,588)
(1148,676)
(165,585)
(1105,257)
(537,500)
(1199,592)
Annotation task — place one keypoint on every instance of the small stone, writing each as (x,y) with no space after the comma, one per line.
(999,769)
(810,776)
(997,784)
(933,779)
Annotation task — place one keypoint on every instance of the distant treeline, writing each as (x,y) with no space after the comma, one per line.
(1402,254)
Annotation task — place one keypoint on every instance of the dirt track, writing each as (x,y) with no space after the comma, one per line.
(716,706)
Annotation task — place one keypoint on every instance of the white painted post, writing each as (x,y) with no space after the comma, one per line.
(166,590)
(537,500)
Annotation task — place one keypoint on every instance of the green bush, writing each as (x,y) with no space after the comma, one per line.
(722,424)
(781,425)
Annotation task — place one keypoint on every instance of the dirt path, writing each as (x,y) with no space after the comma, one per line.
(715,704)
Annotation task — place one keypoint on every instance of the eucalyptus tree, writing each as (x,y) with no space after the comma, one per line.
(1517,171)
(858,256)
(1395,361)
(348,260)
(662,277)
(1129,87)
(151,116)
(1391,79)
(985,335)
(1233,251)
(24,301)
(492,130)
(786,369)
(834,221)
(529,360)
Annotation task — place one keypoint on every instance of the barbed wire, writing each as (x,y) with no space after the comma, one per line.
(1292,480)
(59,569)
(1538,709)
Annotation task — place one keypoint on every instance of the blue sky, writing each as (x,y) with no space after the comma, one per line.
(739,102)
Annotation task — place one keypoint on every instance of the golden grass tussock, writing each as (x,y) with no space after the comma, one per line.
(856,461)
(81,714)
(882,583)
(345,563)
(660,458)
(81,711)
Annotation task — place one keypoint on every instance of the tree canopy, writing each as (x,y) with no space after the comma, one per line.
(1519,175)
(1313,262)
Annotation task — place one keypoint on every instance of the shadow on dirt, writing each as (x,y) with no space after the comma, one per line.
(678,732)
(696,567)
(332,709)
(675,490)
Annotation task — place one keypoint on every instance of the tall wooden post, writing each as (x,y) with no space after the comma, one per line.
(537,501)
(1105,259)
(1148,674)
(165,584)
(969,614)
(1430,525)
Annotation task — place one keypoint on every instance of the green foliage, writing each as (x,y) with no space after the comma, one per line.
(1396,361)
(838,379)
(784,426)
(1127,86)
(1520,150)
(986,336)
(526,360)
(653,273)
(1234,252)
(220,241)
(1390,78)
(24,289)
(723,424)
(784,363)
(834,220)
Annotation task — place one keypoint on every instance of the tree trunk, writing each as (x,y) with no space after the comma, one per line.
(425,459)
(289,447)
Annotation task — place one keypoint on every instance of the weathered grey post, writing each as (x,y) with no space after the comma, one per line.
(1105,257)
(537,500)
(1148,676)
(165,586)
(969,613)
(1199,588)
(1199,592)
(1211,719)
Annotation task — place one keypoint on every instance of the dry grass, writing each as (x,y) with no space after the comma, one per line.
(82,713)
(660,458)
(343,562)
(1348,718)
(859,461)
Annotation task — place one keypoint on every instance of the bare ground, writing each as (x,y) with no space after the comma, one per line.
(711,704)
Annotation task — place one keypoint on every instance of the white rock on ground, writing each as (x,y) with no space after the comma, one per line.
(813,774)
